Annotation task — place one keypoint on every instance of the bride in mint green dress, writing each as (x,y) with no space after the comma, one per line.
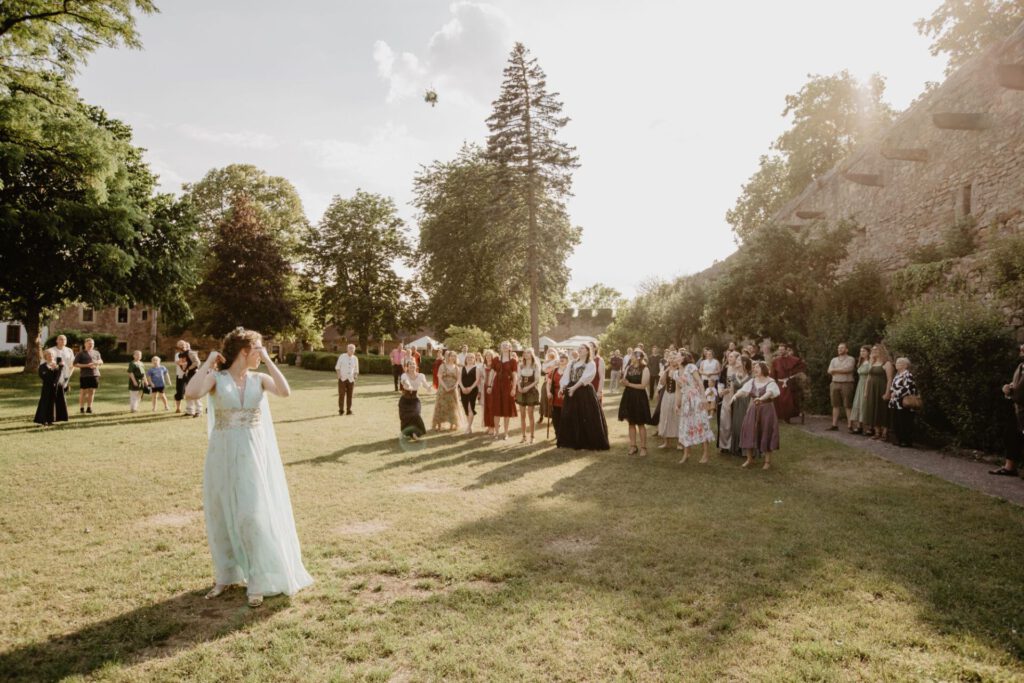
(249,521)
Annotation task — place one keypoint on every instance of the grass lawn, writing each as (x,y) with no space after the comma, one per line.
(468,559)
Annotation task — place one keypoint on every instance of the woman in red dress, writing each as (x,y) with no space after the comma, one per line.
(501,390)
(438,362)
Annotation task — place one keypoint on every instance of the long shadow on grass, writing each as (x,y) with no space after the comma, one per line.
(706,552)
(92,421)
(147,632)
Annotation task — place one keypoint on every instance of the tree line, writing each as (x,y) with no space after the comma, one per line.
(82,222)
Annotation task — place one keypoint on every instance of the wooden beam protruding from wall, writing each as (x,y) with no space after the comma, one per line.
(1010,76)
(869,179)
(905,153)
(810,215)
(962,121)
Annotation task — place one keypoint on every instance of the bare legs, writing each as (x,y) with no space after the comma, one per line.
(526,412)
(686,452)
(750,459)
(636,431)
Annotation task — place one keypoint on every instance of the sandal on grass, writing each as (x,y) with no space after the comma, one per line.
(216,591)
(255,600)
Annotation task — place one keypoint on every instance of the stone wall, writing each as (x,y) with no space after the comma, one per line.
(136,331)
(956,153)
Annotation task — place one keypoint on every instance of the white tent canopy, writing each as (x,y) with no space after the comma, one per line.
(573,342)
(425,342)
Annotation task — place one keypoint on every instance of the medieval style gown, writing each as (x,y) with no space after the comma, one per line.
(583,425)
(501,401)
(52,405)
(787,405)
(249,523)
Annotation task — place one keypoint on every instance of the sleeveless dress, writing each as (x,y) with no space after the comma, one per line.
(249,521)
(760,432)
(634,406)
(875,411)
(447,404)
(857,411)
(409,407)
(469,400)
(694,421)
(668,419)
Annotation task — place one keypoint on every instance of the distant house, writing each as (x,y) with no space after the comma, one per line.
(337,340)
(134,327)
(13,334)
(588,322)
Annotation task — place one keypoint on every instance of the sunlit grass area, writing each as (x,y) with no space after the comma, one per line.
(468,559)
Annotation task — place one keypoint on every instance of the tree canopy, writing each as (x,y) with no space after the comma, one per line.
(961,29)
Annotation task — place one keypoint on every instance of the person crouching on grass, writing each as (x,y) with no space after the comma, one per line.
(158,379)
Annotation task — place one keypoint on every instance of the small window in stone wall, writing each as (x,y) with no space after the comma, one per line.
(87,314)
(122,315)
(145,314)
(964,206)
(13,334)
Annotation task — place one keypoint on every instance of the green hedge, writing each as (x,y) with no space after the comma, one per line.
(961,353)
(106,344)
(368,364)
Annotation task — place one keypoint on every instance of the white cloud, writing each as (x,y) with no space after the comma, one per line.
(243,138)
(463,59)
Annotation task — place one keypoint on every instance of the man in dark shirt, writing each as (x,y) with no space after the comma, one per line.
(88,362)
(615,363)
(654,364)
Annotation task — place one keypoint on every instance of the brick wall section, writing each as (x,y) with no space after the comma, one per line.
(919,199)
(138,334)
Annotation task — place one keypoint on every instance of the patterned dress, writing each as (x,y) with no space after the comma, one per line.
(447,407)
(694,421)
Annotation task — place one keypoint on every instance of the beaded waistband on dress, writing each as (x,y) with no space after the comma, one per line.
(235,418)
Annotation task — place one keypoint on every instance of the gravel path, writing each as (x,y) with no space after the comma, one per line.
(967,473)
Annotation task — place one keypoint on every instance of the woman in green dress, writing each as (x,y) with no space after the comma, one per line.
(857,411)
(875,412)
(739,403)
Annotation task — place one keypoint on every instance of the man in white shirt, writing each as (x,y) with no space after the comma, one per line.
(66,357)
(348,370)
(461,356)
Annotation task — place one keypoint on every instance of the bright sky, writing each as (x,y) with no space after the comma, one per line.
(671,102)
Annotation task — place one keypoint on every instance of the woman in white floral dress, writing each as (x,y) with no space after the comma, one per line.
(694,422)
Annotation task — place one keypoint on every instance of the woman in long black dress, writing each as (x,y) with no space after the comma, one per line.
(409,407)
(52,406)
(634,406)
(583,423)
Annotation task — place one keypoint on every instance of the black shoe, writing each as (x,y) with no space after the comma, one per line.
(341,412)
(81,410)
(833,428)
(88,410)
(349,412)
(1003,472)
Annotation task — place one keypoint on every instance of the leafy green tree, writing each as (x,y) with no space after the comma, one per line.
(48,36)
(597,296)
(352,257)
(78,218)
(457,336)
(273,196)
(831,115)
(248,280)
(534,172)
(961,29)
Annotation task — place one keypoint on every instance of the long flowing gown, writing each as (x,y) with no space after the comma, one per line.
(52,405)
(857,411)
(583,423)
(447,406)
(668,418)
(502,402)
(725,413)
(739,407)
(760,431)
(249,521)
(875,411)
(694,421)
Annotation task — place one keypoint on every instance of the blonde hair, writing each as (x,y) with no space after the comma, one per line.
(533,357)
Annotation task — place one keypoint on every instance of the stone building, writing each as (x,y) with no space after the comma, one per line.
(587,322)
(956,154)
(135,327)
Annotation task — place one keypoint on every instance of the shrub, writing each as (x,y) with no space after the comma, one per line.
(325,361)
(106,344)
(289,358)
(961,354)
(1006,269)
(472,336)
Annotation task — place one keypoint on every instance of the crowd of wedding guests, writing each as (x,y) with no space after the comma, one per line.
(58,365)
(677,393)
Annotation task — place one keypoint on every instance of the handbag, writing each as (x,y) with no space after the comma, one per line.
(913,401)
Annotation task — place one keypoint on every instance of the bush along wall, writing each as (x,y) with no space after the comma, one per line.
(368,364)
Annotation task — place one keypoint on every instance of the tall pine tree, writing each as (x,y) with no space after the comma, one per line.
(535,170)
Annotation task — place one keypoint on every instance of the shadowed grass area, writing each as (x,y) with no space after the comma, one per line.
(465,558)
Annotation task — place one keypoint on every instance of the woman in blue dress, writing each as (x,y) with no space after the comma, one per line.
(249,523)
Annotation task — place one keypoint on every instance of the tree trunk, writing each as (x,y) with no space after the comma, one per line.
(33,345)
(531,206)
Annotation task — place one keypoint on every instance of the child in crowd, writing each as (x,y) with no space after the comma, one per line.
(158,378)
(136,381)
